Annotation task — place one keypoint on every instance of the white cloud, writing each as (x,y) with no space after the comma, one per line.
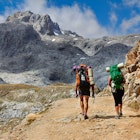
(2,19)
(113,5)
(82,21)
(113,18)
(10,1)
(7,13)
(130,24)
(37,6)
(132,3)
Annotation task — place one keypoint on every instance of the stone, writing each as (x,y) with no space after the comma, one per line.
(31,117)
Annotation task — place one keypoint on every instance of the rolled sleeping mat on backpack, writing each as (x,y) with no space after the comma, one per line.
(90,72)
(107,69)
(120,65)
(90,75)
(91,80)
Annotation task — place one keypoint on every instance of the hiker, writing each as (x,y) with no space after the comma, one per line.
(82,87)
(116,81)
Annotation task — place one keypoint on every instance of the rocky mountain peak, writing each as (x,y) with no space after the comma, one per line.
(42,24)
(34,50)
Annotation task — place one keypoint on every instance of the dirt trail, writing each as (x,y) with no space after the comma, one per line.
(63,121)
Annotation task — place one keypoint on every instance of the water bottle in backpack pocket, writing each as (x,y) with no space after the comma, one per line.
(113,89)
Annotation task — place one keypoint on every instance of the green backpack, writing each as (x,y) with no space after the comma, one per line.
(116,76)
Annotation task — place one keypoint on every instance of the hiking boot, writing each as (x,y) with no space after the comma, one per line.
(117,117)
(85,117)
(120,114)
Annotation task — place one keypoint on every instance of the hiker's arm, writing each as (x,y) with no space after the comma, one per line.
(77,85)
(109,81)
(124,79)
(76,90)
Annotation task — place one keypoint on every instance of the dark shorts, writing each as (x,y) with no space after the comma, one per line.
(83,92)
(118,97)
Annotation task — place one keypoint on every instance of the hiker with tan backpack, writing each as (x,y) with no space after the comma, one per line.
(116,81)
(84,81)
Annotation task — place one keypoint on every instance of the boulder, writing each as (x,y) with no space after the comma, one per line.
(132,88)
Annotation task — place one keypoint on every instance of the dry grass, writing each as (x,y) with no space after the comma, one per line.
(15,86)
(6,88)
(32,95)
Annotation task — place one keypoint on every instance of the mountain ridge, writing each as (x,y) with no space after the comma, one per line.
(32,53)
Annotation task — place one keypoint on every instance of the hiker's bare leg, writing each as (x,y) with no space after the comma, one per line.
(86,98)
(82,104)
(117,110)
(120,109)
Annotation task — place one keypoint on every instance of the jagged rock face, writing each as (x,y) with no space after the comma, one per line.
(23,52)
(14,37)
(133,77)
(133,58)
(42,24)
(33,50)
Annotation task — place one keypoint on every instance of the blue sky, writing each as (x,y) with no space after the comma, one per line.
(88,18)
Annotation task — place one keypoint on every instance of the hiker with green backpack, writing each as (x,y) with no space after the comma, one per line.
(116,81)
